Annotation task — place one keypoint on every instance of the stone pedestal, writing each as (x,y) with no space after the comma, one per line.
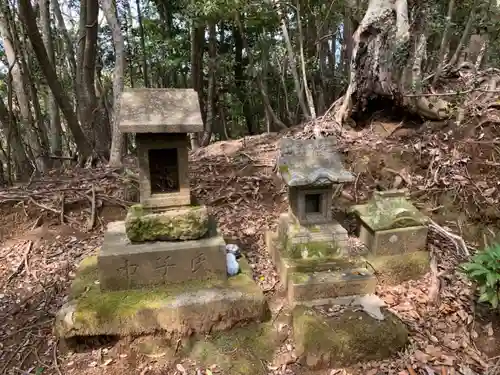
(164,267)
(310,248)
(395,234)
(123,265)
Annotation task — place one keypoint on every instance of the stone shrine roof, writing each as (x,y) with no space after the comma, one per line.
(160,111)
(313,162)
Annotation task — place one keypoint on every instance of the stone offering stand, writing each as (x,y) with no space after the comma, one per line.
(318,269)
(164,267)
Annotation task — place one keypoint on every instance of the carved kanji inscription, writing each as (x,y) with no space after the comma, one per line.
(198,262)
(162,265)
(128,270)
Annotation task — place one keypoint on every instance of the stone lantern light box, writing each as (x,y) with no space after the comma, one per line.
(161,120)
(312,170)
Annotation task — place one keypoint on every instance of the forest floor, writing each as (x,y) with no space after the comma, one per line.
(47,227)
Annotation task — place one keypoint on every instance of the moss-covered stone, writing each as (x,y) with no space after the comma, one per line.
(312,249)
(188,223)
(240,351)
(396,269)
(351,337)
(389,212)
(179,309)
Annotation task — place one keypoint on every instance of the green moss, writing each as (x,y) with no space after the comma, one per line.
(396,269)
(188,224)
(383,213)
(313,249)
(95,308)
(240,351)
(349,338)
(283,168)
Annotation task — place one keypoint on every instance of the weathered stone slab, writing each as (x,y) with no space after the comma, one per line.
(123,265)
(311,162)
(347,338)
(394,241)
(306,287)
(159,111)
(311,241)
(396,269)
(176,309)
(188,223)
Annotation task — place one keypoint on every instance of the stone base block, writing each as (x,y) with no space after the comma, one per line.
(394,241)
(396,269)
(286,265)
(177,310)
(351,336)
(315,240)
(319,278)
(183,223)
(309,287)
(124,265)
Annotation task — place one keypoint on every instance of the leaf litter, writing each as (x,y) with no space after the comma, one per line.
(453,175)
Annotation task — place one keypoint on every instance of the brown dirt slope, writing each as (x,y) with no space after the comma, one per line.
(452,174)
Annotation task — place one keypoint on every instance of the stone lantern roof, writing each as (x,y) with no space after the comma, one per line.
(311,162)
(160,111)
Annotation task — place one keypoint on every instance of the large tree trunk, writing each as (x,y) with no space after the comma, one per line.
(386,62)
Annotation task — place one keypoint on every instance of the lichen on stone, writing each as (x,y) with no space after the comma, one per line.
(183,224)
(389,212)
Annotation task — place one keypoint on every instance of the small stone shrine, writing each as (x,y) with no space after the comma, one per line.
(309,248)
(164,267)
(337,320)
(395,234)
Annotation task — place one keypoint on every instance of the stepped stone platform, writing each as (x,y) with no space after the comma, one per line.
(164,268)
(177,310)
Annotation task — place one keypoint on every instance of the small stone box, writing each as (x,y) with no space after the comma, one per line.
(161,118)
(389,224)
(123,265)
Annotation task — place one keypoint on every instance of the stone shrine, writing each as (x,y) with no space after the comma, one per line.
(395,234)
(310,247)
(164,267)
(336,317)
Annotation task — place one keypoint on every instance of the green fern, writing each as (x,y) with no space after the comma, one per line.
(484,270)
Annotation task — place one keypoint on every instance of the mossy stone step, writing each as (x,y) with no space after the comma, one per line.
(307,287)
(347,338)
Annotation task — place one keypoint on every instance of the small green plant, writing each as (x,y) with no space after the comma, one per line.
(484,270)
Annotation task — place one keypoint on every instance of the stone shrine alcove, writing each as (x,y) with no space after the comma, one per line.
(161,120)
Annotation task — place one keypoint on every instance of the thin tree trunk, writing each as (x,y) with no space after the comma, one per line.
(143,45)
(117,139)
(465,35)
(444,42)
(212,68)
(309,97)
(55,137)
(293,66)
(49,72)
